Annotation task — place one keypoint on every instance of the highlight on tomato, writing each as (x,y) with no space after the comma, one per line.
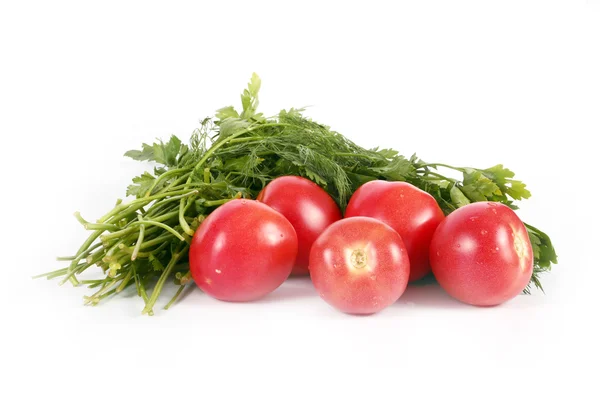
(359,265)
(242,251)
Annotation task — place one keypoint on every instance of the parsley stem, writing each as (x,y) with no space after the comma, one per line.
(441,176)
(79,268)
(212,203)
(144,295)
(91,281)
(163,277)
(176,182)
(125,281)
(174,299)
(149,243)
(442,165)
(80,254)
(101,227)
(162,177)
(142,254)
(140,239)
(134,205)
(95,298)
(79,218)
(246,139)
(161,225)
(52,274)
(107,238)
(113,248)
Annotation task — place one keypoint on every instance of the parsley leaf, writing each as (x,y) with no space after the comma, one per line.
(141,185)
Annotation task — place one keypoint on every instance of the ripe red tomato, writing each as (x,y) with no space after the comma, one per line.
(359,265)
(307,206)
(242,251)
(411,212)
(481,254)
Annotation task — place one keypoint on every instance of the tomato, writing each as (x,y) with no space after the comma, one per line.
(359,265)
(413,213)
(242,251)
(307,206)
(481,254)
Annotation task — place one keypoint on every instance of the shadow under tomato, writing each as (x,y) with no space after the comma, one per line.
(295,288)
(428,295)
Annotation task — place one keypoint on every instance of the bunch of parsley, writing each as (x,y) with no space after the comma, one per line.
(144,242)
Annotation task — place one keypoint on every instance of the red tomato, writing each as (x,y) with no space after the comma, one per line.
(242,251)
(411,212)
(307,206)
(359,265)
(481,254)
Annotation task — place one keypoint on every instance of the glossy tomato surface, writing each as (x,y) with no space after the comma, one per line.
(307,206)
(242,251)
(359,265)
(481,254)
(411,212)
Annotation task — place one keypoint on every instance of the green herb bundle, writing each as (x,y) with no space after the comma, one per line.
(144,242)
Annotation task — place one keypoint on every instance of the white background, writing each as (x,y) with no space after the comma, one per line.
(468,83)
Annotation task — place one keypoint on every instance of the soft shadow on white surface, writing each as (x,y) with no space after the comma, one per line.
(294,289)
(431,295)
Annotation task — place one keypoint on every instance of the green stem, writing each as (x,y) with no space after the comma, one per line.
(176,182)
(162,177)
(142,254)
(52,274)
(91,281)
(126,280)
(95,298)
(163,278)
(212,203)
(80,254)
(174,299)
(183,207)
(101,227)
(165,217)
(161,225)
(79,218)
(460,169)
(246,139)
(149,243)
(134,205)
(144,295)
(113,248)
(82,267)
(441,176)
(136,280)
(140,239)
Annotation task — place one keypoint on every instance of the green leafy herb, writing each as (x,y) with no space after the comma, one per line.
(144,241)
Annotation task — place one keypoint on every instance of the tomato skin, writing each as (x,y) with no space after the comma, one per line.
(359,265)
(481,254)
(410,211)
(307,206)
(242,251)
